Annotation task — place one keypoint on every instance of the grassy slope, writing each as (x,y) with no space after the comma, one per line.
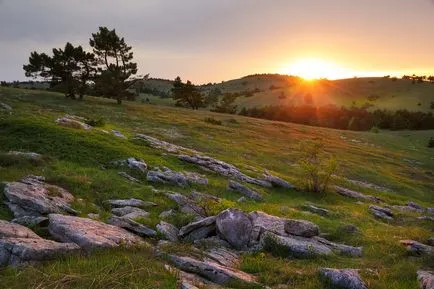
(393,95)
(75,157)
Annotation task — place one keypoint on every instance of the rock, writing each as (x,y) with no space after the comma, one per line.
(5,106)
(235,227)
(380,212)
(415,206)
(301,228)
(426,218)
(21,251)
(262,222)
(93,216)
(11,230)
(30,221)
(89,234)
(132,226)
(167,176)
(130,213)
(128,177)
(213,271)
(223,169)
(199,229)
(316,210)
(166,214)
(30,155)
(73,122)
(242,200)
(117,133)
(223,256)
(235,186)
(169,231)
(131,203)
(159,144)
(212,242)
(405,208)
(33,197)
(426,279)
(343,278)
(430,241)
(191,281)
(341,248)
(350,229)
(356,195)
(277,182)
(133,163)
(430,210)
(187,205)
(298,247)
(417,248)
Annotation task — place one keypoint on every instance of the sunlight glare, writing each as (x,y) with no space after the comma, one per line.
(314,68)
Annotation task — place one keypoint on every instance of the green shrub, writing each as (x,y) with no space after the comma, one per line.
(96,122)
(374,129)
(213,121)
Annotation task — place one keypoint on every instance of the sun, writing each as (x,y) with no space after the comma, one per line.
(315,68)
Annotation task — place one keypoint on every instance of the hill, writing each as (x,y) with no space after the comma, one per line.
(396,167)
(272,89)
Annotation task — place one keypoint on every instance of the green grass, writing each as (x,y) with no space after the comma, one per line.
(74,159)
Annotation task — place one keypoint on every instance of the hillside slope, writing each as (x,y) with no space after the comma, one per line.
(398,163)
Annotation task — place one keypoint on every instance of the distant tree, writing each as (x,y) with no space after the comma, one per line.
(212,97)
(187,94)
(69,68)
(114,64)
(226,104)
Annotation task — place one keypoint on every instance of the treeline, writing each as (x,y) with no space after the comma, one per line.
(358,119)
(106,71)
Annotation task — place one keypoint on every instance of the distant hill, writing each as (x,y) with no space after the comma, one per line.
(274,89)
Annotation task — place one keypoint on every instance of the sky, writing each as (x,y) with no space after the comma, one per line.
(215,40)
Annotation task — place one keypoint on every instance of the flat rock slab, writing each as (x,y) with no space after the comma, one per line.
(249,193)
(380,212)
(31,196)
(128,177)
(301,228)
(132,213)
(278,182)
(200,227)
(130,203)
(223,256)
(316,210)
(186,204)
(343,278)
(163,145)
(426,279)
(356,195)
(90,234)
(11,230)
(169,231)
(263,222)
(132,226)
(19,251)
(234,226)
(417,248)
(73,121)
(212,271)
(29,155)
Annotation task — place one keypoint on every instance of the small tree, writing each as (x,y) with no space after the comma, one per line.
(226,104)
(186,94)
(317,166)
(115,66)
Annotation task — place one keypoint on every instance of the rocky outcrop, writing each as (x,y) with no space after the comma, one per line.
(186,204)
(298,247)
(277,182)
(301,228)
(130,203)
(343,278)
(73,121)
(356,195)
(262,222)
(235,227)
(417,248)
(131,179)
(223,256)
(19,245)
(212,271)
(167,176)
(249,193)
(131,213)
(159,144)
(199,230)
(168,231)
(89,234)
(31,221)
(341,248)
(426,279)
(118,134)
(29,155)
(223,168)
(380,212)
(133,163)
(132,226)
(316,210)
(31,196)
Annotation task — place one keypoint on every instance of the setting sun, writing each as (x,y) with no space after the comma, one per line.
(314,68)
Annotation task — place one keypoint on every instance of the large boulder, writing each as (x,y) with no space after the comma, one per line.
(237,187)
(298,247)
(11,230)
(169,231)
(301,228)
(426,279)
(417,248)
(89,234)
(356,195)
(31,196)
(132,226)
(343,278)
(235,227)
(199,229)
(213,271)
(262,222)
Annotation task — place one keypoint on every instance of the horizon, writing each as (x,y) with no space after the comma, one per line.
(310,39)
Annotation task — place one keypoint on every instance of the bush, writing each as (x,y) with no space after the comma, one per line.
(213,121)
(431,142)
(375,129)
(317,166)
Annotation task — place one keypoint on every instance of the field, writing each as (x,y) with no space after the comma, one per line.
(398,161)
(375,93)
